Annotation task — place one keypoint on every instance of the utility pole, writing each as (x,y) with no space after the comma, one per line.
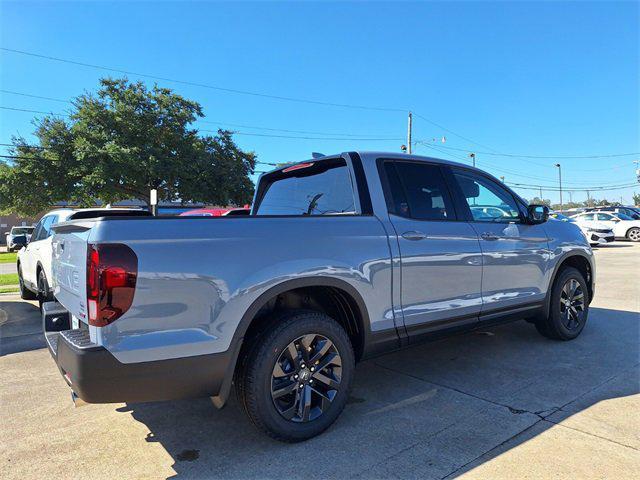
(588,199)
(409,122)
(473,158)
(560,183)
(570,196)
(541,199)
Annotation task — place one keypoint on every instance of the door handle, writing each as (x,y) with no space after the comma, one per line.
(414,235)
(489,236)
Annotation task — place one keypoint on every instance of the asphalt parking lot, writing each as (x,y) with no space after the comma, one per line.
(501,403)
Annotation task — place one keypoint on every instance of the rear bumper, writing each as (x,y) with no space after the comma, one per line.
(96,376)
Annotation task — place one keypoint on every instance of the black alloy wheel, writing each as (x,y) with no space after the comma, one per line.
(568,307)
(294,374)
(306,378)
(572,304)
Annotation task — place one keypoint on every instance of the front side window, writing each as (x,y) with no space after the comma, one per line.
(418,191)
(488,201)
(605,217)
(46,226)
(38,231)
(316,188)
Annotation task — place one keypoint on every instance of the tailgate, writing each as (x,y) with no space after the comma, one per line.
(69,266)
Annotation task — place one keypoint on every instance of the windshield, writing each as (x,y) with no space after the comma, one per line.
(319,188)
(564,218)
(21,230)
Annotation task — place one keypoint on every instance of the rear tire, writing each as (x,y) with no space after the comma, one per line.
(309,356)
(569,307)
(25,293)
(44,294)
(634,234)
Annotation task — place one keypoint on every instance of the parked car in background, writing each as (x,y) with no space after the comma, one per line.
(216,212)
(632,212)
(34,261)
(596,234)
(15,232)
(623,226)
(343,258)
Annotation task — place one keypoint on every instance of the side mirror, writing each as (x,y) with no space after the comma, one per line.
(537,214)
(20,240)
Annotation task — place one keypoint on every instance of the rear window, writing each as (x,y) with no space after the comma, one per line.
(315,188)
(21,230)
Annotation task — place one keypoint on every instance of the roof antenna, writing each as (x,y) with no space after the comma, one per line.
(317,155)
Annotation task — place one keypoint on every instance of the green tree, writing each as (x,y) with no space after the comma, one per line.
(540,201)
(119,144)
(636,198)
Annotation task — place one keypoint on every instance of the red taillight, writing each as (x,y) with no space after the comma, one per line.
(112,271)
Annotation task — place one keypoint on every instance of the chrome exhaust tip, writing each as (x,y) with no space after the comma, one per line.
(77,401)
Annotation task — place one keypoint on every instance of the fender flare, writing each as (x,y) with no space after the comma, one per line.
(238,337)
(556,269)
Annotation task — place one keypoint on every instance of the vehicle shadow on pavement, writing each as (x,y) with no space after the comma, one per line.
(20,326)
(434,410)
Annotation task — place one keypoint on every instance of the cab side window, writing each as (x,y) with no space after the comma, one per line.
(487,201)
(418,191)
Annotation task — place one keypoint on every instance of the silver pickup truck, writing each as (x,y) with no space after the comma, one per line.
(342,258)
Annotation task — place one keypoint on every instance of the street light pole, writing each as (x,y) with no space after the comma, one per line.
(560,183)
(473,158)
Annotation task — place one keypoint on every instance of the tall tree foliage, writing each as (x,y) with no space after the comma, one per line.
(119,144)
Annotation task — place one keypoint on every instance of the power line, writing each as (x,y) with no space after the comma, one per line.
(203,85)
(556,189)
(450,131)
(499,169)
(518,185)
(34,111)
(35,96)
(517,155)
(348,135)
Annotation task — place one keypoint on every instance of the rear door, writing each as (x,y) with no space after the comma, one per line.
(515,255)
(441,265)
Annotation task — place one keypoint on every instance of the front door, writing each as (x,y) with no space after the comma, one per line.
(515,254)
(441,263)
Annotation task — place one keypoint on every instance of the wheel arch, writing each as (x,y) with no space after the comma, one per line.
(581,262)
(626,235)
(331,295)
(354,316)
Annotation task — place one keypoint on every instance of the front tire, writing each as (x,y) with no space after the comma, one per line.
(569,307)
(634,234)
(296,378)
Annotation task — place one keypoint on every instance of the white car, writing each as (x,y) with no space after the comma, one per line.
(34,259)
(622,225)
(596,234)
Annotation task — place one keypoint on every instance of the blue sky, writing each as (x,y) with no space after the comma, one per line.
(542,78)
